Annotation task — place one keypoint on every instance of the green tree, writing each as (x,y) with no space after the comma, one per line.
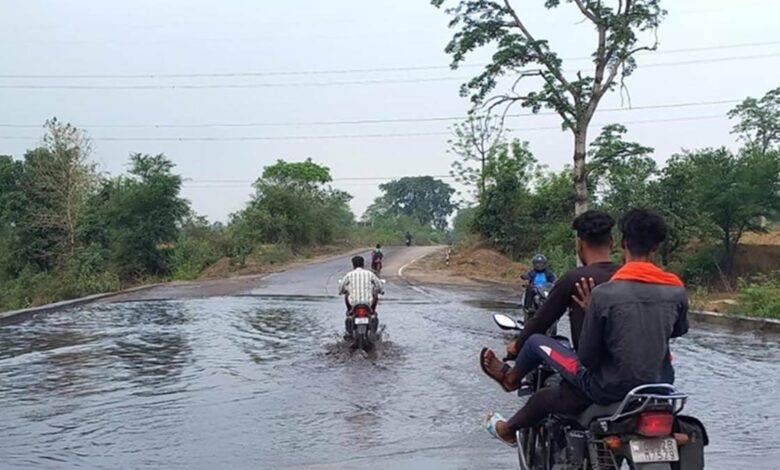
(140,217)
(292,205)
(423,198)
(759,120)
(734,191)
(520,54)
(504,215)
(621,172)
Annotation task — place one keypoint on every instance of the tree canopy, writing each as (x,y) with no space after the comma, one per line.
(423,198)
(538,77)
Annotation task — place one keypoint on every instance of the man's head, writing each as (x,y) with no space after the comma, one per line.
(539,262)
(643,232)
(378,246)
(358,262)
(594,235)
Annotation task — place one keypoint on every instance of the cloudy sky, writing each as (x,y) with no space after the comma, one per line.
(252,81)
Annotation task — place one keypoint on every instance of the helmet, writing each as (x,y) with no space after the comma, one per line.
(378,246)
(540,262)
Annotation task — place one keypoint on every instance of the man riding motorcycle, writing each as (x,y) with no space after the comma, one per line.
(376,259)
(594,246)
(537,277)
(624,340)
(408,238)
(360,287)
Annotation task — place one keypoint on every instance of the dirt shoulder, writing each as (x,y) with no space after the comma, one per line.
(475,266)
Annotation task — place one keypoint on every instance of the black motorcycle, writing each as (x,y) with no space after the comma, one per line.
(363,323)
(645,431)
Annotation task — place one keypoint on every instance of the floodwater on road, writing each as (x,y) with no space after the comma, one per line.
(261,381)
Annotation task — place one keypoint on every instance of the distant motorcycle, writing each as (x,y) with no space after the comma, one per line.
(645,431)
(376,266)
(408,242)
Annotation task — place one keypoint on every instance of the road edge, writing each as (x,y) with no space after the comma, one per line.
(20,315)
(737,321)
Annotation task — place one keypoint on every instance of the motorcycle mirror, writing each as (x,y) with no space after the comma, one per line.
(505,323)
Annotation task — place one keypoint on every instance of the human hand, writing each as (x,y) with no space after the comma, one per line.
(584,292)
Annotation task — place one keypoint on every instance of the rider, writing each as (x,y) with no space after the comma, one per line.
(360,287)
(376,256)
(625,336)
(594,246)
(536,277)
(408,238)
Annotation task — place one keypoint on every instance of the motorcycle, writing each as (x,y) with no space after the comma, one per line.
(645,431)
(364,325)
(408,242)
(539,294)
(376,266)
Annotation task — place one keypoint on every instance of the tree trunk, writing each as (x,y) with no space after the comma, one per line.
(580,172)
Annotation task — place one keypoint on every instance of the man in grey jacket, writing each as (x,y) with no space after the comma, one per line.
(629,321)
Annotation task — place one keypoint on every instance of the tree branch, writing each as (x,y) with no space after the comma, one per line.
(553,70)
(584,9)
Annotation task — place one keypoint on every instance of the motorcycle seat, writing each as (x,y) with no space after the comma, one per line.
(596,411)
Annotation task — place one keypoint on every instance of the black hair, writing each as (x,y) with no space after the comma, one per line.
(594,227)
(358,262)
(643,230)
(378,245)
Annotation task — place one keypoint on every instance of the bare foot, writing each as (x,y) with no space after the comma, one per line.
(494,367)
(502,428)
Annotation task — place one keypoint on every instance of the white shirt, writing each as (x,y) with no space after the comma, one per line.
(361,286)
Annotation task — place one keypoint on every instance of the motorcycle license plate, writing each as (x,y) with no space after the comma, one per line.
(361,321)
(654,450)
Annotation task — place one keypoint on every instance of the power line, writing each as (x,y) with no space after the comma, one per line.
(340,71)
(189,181)
(348,136)
(361,121)
(338,83)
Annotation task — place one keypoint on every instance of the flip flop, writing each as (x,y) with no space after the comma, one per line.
(491,420)
(504,369)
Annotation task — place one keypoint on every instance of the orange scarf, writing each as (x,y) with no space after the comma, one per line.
(643,271)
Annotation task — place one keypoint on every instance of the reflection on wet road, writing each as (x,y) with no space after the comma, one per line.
(261,382)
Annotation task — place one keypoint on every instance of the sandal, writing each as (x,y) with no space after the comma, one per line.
(504,369)
(491,420)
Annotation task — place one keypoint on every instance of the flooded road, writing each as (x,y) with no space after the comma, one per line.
(261,380)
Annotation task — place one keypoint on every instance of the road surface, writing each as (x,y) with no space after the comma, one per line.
(177,379)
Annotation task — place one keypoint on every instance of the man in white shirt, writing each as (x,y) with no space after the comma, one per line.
(360,287)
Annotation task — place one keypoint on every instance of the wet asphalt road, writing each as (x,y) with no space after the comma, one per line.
(261,380)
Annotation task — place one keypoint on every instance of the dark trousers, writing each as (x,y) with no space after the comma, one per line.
(570,397)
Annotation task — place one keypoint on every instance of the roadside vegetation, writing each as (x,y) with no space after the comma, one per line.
(712,198)
(67,230)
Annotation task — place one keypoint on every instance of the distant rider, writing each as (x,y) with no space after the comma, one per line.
(376,257)
(408,238)
(536,277)
(360,287)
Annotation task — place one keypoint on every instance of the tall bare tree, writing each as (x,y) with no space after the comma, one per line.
(520,54)
(472,141)
(59,179)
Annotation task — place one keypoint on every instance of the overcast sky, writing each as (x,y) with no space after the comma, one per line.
(154,37)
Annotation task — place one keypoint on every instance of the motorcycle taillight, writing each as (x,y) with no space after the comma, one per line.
(655,424)
(361,312)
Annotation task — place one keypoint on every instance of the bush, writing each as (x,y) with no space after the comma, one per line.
(700,267)
(191,256)
(760,297)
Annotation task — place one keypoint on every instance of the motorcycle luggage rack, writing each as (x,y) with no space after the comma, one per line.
(646,398)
